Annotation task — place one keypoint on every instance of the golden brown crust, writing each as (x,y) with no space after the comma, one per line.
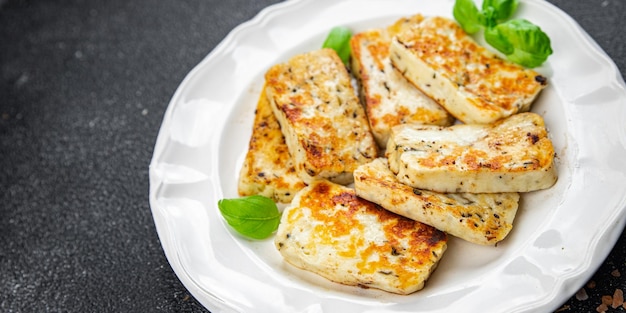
(484,218)
(324,124)
(267,169)
(332,232)
(388,97)
(486,87)
(511,155)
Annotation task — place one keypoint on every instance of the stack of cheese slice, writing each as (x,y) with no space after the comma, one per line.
(416,178)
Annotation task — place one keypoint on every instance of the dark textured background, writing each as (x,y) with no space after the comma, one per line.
(83,88)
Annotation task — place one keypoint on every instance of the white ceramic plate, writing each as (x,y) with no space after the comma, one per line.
(561,235)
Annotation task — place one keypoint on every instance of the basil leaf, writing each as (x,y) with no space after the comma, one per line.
(489,17)
(467,15)
(253,216)
(495,38)
(500,9)
(522,41)
(339,40)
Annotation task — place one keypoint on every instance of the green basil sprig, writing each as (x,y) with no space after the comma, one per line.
(253,216)
(338,39)
(520,40)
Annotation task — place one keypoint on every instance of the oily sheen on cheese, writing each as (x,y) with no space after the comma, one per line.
(388,97)
(481,218)
(473,84)
(330,231)
(324,124)
(267,169)
(511,155)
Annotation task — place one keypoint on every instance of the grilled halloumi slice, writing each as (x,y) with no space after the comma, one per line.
(472,83)
(330,231)
(267,169)
(511,155)
(388,97)
(324,124)
(482,218)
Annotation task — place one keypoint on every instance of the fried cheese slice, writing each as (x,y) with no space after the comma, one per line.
(481,218)
(388,97)
(330,231)
(510,155)
(323,122)
(472,83)
(268,169)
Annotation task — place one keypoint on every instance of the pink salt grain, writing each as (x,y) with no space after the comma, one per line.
(618,298)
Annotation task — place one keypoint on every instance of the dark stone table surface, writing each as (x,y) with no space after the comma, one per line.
(83,88)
